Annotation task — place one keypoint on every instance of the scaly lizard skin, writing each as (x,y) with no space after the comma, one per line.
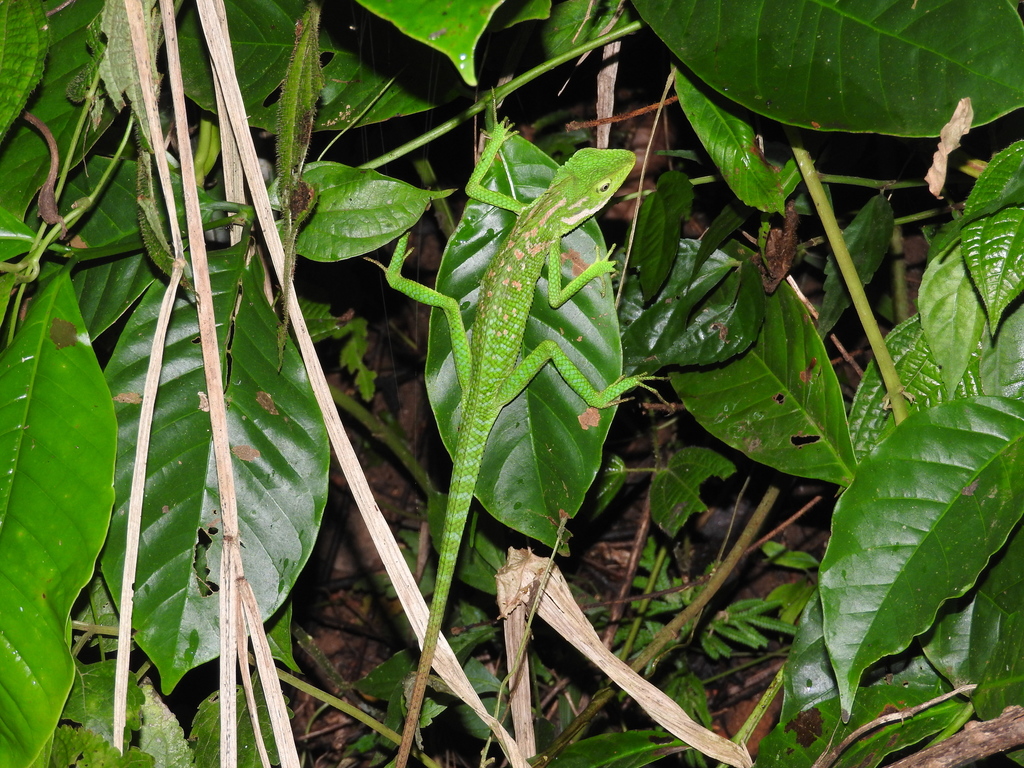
(489,368)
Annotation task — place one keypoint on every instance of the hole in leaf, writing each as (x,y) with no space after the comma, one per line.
(200,561)
(801,440)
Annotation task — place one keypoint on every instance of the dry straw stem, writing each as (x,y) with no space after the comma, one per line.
(559,610)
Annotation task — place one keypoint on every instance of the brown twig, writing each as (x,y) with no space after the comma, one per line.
(976,741)
(48,192)
(579,124)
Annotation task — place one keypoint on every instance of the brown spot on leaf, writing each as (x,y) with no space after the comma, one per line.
(969,489)
(132,398)
(245,452)
(805,375)
(62,333)
(779,398)
(806,726)
(723,331)
(266,402)
(590,418)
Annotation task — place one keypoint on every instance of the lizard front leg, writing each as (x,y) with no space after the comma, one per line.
(430,297)
(570,372)
(557,295)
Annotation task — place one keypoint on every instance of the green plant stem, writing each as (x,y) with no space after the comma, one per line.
(859,181)
(501,92)
(669,633)
(853,284)
(760,710)
(660,558)
(931,213)
(379,431)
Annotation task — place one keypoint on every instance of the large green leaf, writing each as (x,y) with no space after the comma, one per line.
(811,721)
(357,211)
(23,41)
(658,225)
(371,71)
(449,26)
(993,235)
(57,444)
(280,451)
(977,639)
(886,66)
(779,403)
(539,459)
(925,513)
(951,316)
(725,130)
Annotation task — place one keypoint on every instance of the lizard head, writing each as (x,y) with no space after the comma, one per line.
(588,180)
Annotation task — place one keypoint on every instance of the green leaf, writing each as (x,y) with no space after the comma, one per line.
(522,483)
(1000,185)
(23,40)
(82,747)
(15,237)
(977,638)
(675,490)
(1002,358)
(993,248)
(870,416)
(24,159)
(780,402)
(724,129)
(280,461)
(161,735)
(884,66)
(993,232)
(205,733)
(630,749)
(779,555)
(452,28)
(262,38)
(367,79)
(367,74)
(951,316)
(867,238)
(57,440)
(357,211)
(926,511)
(657,230)
(90,703)
(574,22)
(709,319)
(810,722)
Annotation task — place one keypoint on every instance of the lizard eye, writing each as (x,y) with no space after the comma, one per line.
(603,186)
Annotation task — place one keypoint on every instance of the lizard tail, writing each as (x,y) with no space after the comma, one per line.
(468,456)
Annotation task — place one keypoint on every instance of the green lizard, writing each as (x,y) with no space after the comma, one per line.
(492,367)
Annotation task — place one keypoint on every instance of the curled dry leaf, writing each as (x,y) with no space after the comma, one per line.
(949,139)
